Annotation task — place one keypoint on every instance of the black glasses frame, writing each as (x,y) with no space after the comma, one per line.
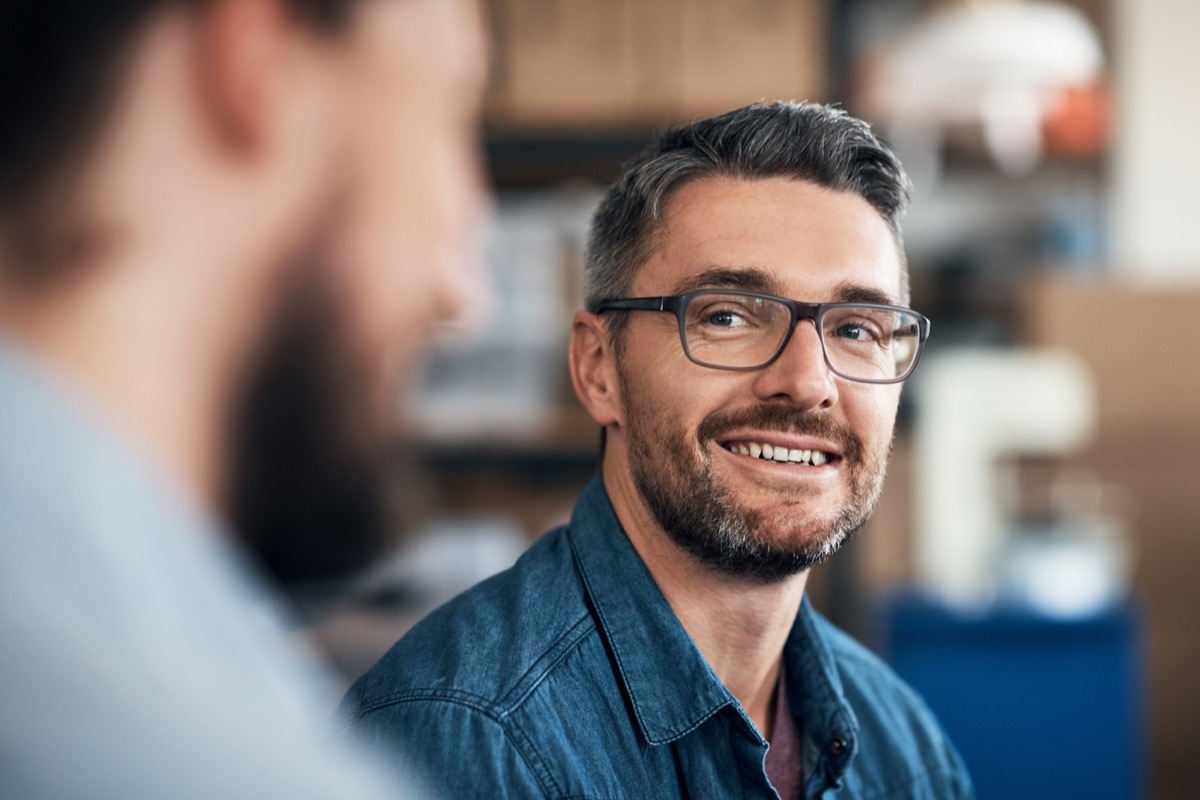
(678,305)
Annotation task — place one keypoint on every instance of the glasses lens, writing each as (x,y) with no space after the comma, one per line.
(870,343)
(729,330)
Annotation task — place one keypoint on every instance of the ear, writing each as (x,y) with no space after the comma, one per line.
(246,51)
(594,369)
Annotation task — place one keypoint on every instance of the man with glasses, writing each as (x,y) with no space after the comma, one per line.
(743,349)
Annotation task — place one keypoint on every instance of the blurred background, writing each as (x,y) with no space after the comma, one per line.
(1032,565)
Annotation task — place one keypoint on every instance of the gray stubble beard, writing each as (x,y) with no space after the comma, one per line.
(704,519)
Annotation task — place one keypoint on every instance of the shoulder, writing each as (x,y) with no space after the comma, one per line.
(477,648)
(902,748)
(170,688)
(451,693)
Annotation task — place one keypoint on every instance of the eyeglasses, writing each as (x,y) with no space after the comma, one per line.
(733,330)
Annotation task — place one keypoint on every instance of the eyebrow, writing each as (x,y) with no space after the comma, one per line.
(752,279)
(858,293)
(749,279)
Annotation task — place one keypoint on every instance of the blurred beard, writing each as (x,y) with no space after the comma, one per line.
(305,488)
(704,518)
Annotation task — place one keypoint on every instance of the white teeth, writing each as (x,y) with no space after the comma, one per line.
(771,452)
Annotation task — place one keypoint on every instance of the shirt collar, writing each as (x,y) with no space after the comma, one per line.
(671,687)
(817,697)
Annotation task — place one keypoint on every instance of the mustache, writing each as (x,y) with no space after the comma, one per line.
(784,420)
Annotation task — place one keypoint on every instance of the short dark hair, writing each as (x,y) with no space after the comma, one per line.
(62,64)
(804,141)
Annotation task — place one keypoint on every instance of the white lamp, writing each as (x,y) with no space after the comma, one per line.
(994,63)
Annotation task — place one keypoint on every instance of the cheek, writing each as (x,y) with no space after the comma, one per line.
(871,413)
(677,394)
(413,208)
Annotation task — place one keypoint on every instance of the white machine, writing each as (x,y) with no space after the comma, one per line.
(975,409)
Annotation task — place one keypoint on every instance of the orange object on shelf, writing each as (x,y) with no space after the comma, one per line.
(1078,122)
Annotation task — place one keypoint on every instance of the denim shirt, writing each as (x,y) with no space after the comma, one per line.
(569,676)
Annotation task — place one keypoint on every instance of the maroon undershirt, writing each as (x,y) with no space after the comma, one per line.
(785,765)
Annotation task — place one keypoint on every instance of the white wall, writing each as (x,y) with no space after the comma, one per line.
(1156,157)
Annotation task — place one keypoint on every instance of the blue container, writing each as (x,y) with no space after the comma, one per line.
(1038,706)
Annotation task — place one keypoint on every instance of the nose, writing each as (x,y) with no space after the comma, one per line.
(799,375)
(463,292)
(463,286)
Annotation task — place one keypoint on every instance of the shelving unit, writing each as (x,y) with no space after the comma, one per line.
(975,239)
(548,158)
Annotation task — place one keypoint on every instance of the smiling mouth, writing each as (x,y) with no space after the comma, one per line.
(780,454)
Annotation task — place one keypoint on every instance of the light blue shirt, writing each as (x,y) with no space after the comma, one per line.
(569,676)
(139,656)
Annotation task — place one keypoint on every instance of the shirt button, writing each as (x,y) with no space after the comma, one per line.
(838,745)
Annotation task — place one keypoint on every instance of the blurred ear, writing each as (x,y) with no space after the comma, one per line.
(247,51)
(594,369)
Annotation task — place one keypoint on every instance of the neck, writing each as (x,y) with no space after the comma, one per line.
(739,625)
(131,340)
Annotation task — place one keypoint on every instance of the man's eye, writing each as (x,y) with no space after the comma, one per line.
(725,319)
(857,332)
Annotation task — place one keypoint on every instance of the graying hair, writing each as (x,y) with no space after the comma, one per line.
(804,141)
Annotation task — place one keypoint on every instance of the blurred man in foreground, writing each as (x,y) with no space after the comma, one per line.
(223,224)
(744,344)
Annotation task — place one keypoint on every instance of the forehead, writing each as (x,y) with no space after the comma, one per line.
(791,237)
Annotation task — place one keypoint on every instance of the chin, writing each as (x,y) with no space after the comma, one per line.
(306,457)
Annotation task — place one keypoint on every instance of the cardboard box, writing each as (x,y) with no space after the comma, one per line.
(1141,346)
(736,52)
(658,38)
(620,64)
(564,63)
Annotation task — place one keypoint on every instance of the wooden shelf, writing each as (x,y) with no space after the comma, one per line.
(567,446)
(518,160)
